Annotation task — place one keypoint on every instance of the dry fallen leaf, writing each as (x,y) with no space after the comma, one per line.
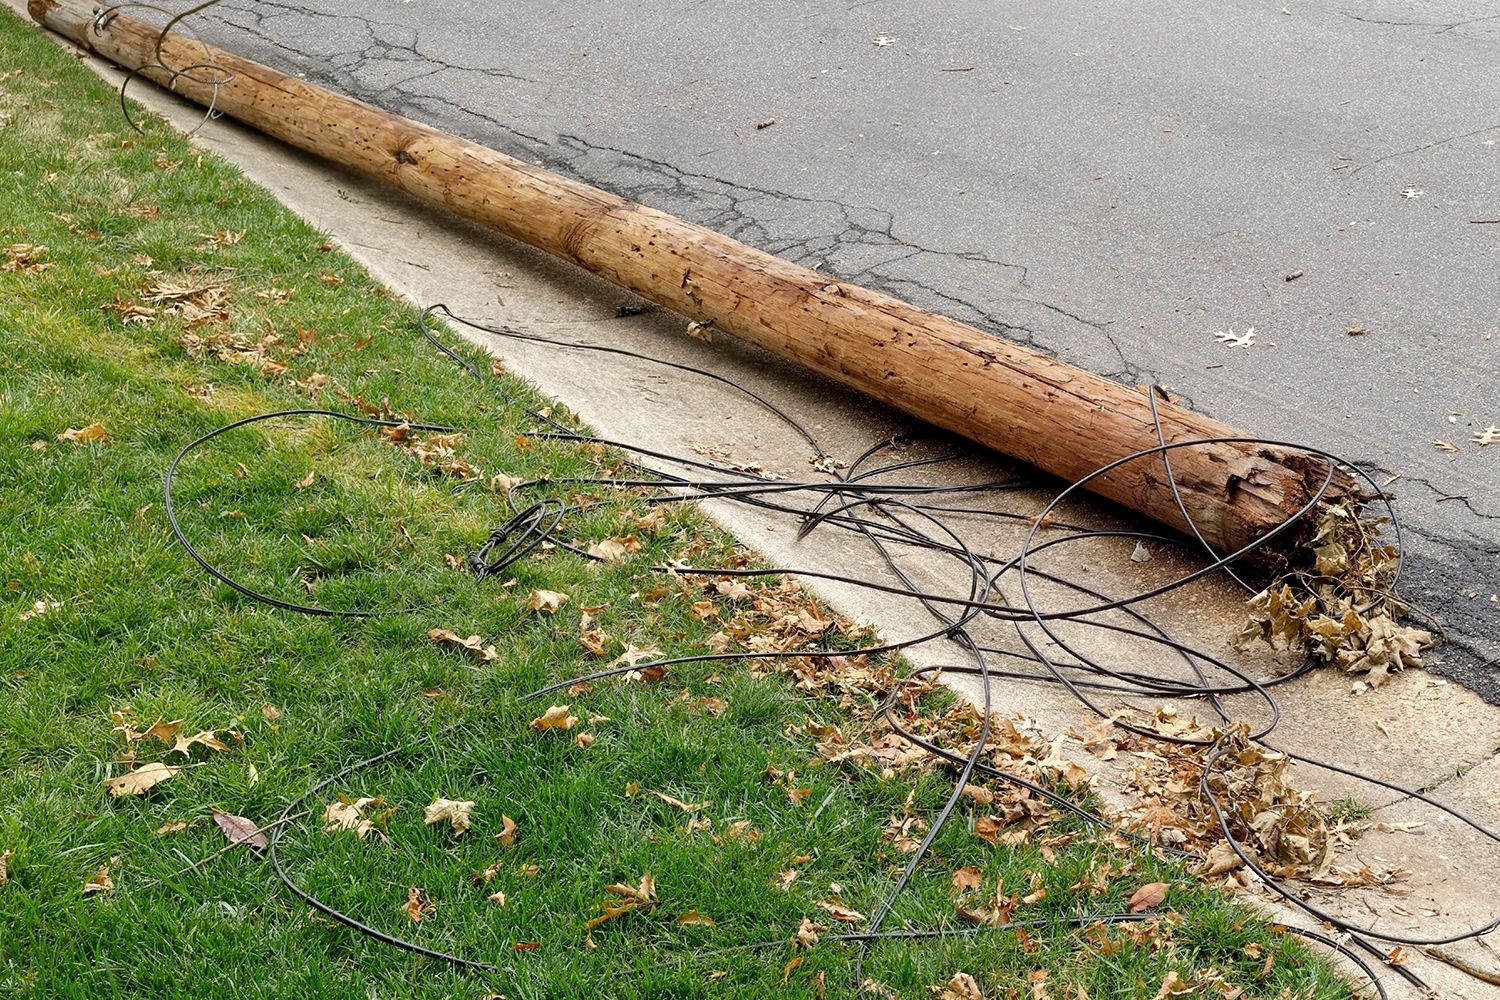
(1490,435)
(546,601)
(472,643)
(556,717)
(615,549)
(968,877)
(498,898)
(643,893)
(101,882)
(208,738)
(239,830)
(419,905)
(354,814)
(85,435)
(507,834)
(5,857)
(684,806)
(25,258)
(807,932)
(455,811)
(961,987)
(140,781)
(1148,897)
(843,913)
(38,609)
(1448,446)
(171,826)
(693,918)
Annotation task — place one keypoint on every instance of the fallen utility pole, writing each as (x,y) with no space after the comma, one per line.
(1043,411)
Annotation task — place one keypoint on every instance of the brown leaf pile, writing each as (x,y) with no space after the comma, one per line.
(1339,606)
(25,258)
(198,301)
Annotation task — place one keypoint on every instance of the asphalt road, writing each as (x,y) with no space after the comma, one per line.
(1112,183)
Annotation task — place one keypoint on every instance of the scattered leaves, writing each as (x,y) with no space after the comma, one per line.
(807,932)
(25,258)
(679,803)
(1337,603)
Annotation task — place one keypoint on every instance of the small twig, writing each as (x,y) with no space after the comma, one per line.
(1447,958)
(229,847)
(1484,222)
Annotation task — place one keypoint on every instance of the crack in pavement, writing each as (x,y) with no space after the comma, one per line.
(849,242)
(1423,148)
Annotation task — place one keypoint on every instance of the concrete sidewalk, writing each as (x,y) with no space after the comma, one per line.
(1417,730)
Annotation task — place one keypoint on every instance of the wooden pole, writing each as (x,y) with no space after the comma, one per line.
(1046,412)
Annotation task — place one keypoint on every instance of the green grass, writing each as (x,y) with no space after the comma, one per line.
(138,627)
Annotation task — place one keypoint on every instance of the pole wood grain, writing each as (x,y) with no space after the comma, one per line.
(1048,413)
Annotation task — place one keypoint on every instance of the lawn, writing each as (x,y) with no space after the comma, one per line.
(150,295)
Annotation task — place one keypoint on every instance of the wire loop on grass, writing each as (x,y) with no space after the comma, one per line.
(897,515)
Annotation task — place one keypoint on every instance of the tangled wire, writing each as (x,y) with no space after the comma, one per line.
(893,518)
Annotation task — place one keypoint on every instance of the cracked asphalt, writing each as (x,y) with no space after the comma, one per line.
(1113,184)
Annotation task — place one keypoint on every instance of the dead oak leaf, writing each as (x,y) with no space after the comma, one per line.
(645,892)
(208,738)
(140,781)
(843,913)
(615,549)
(239,830)
(548,602)
(25,258)
(454,811)
(1148,897)
(101,882)
(475,645)
(1490,435)
(961,987)
(91,434)
(507,834)
(556,717)
(419,906)
(171,826)
(634,654)
(808,931)
(684,806)
(354,814)
(967,877)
